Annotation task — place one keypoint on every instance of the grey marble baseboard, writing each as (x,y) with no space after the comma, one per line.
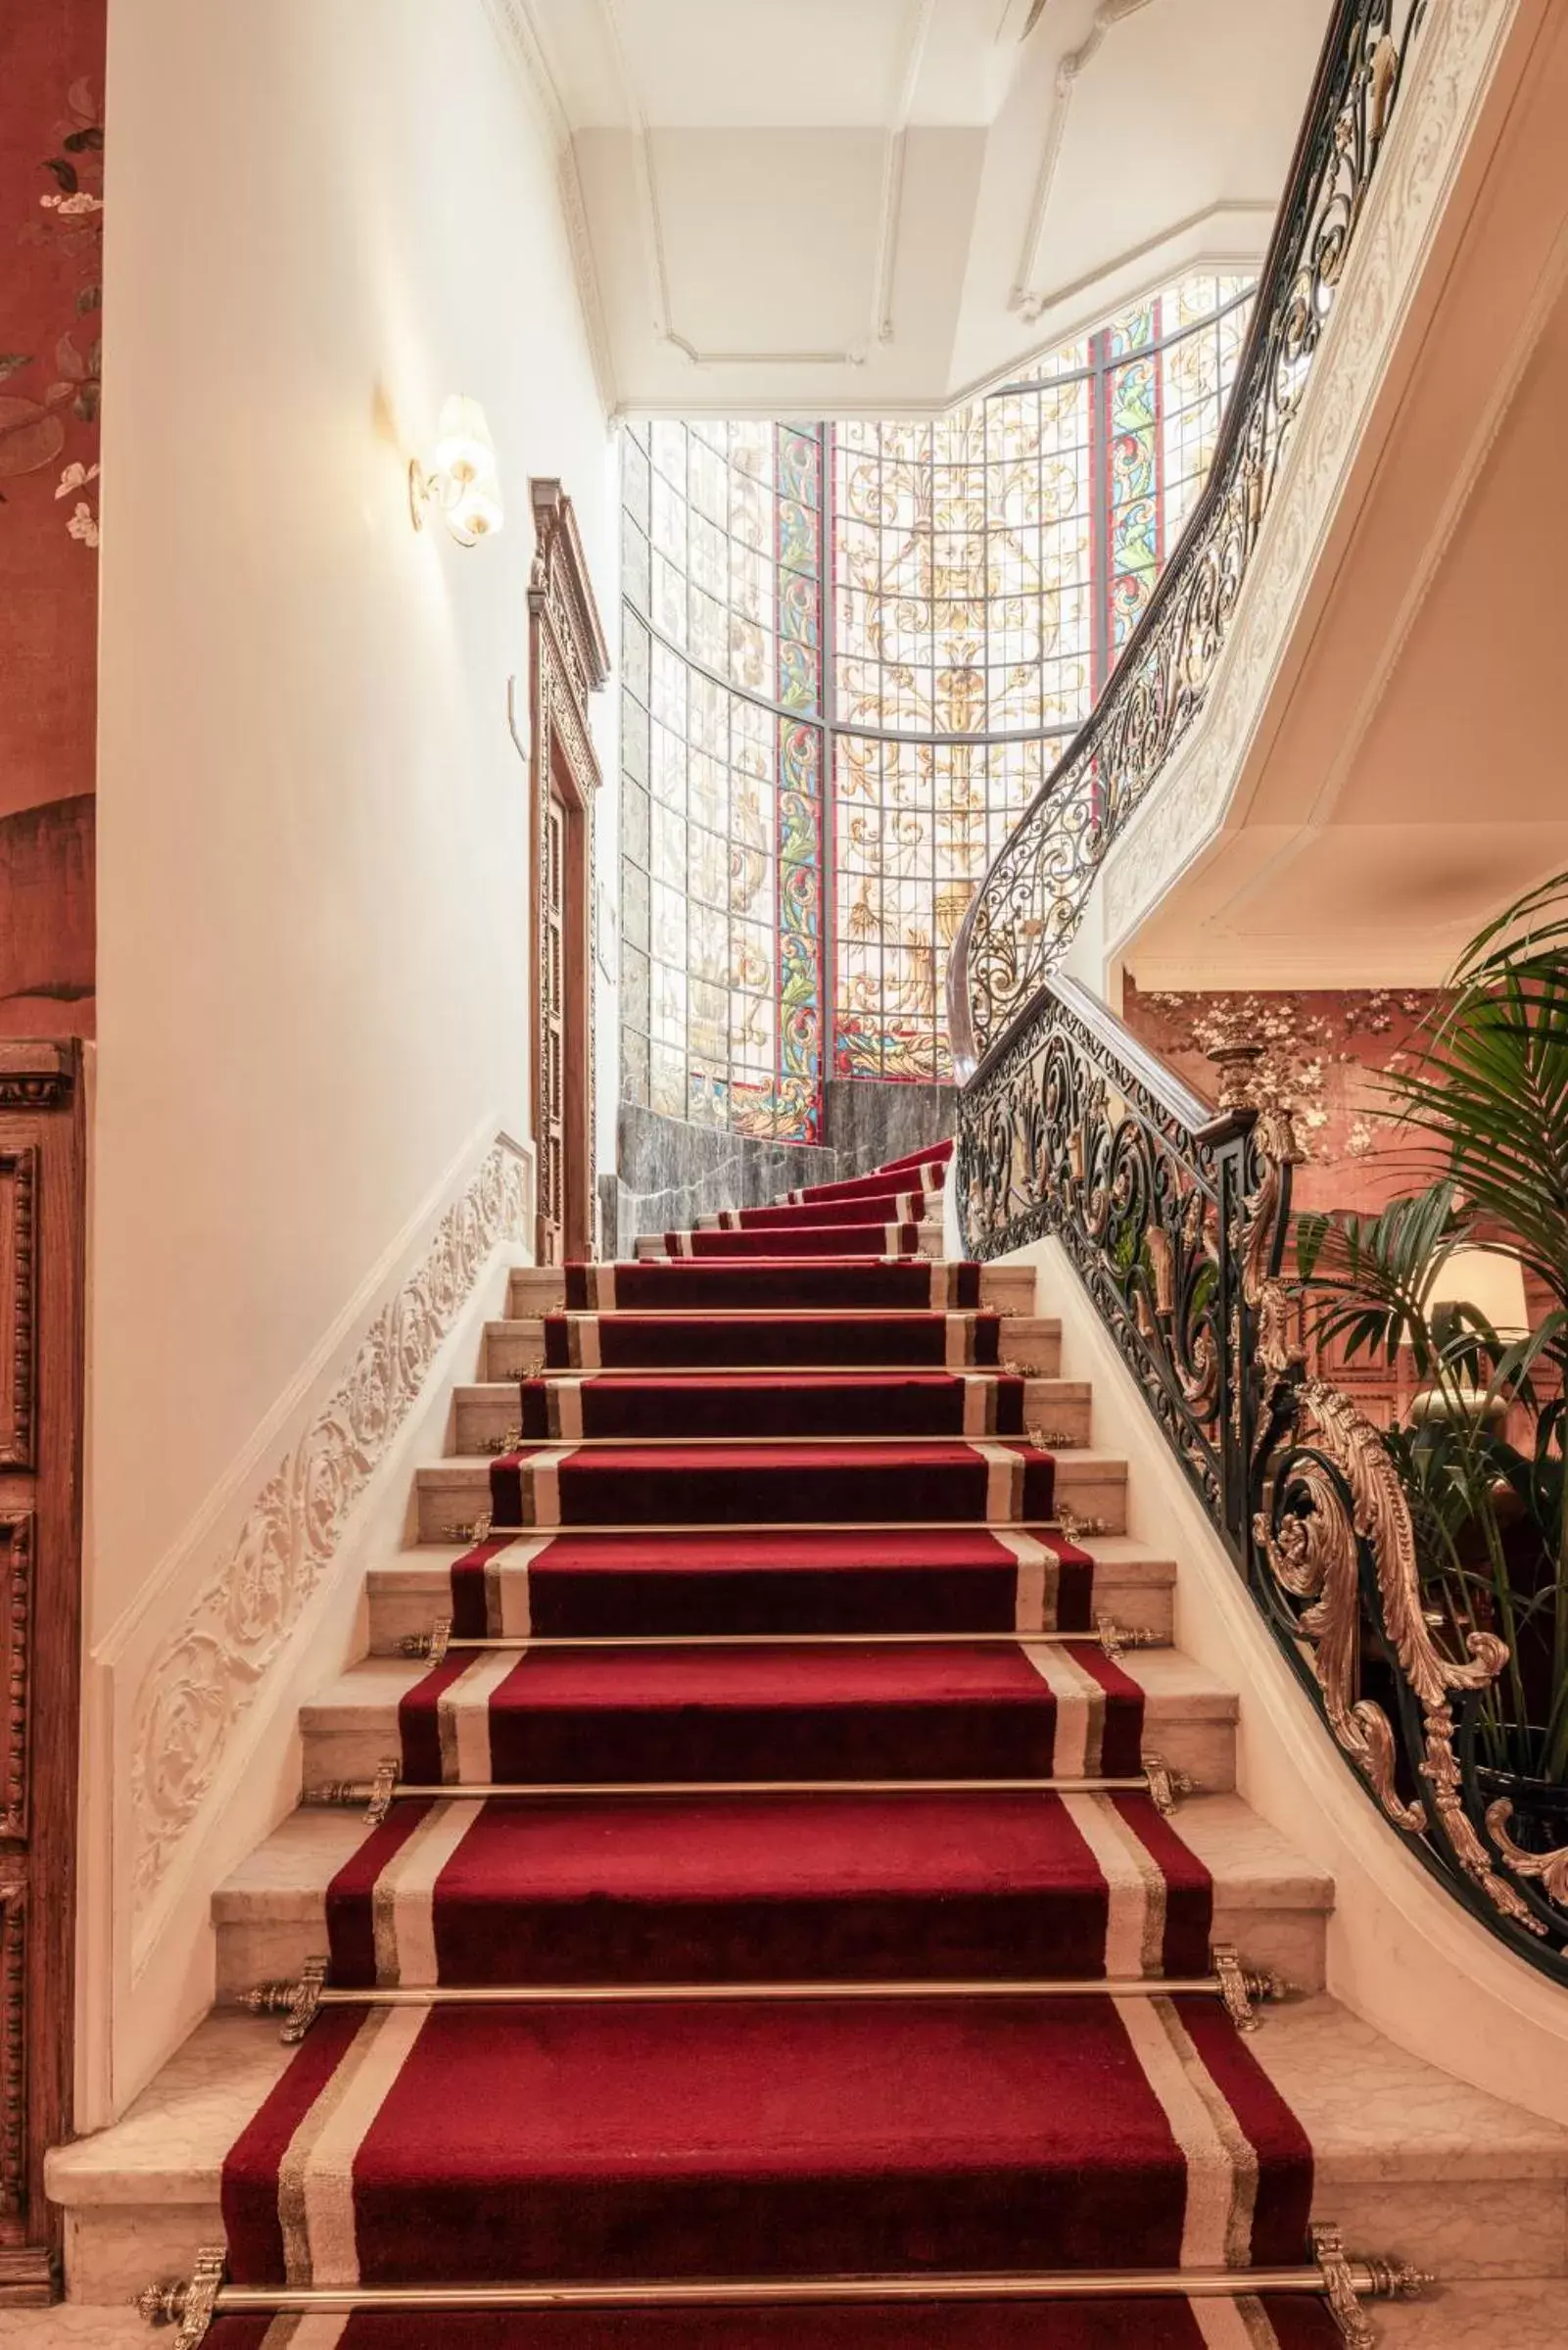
(671,1170)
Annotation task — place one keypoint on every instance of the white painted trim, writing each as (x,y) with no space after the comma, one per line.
(1401,1952)
(880,324)
(518,33)
(1025,297)
(1247,225)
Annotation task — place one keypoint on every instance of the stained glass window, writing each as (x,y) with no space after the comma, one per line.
(985,572)
(721,883)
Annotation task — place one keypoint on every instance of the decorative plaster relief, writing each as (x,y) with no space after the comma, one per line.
(208,1673)
(1449,72)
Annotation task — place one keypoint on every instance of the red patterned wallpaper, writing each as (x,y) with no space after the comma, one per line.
(51,233)
(1322,1053)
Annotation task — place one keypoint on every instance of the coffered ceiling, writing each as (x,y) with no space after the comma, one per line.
(861,206)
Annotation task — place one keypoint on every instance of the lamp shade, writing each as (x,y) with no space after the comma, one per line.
(1488,1279)
(463,445)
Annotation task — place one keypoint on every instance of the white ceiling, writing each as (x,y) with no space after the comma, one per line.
(1408,777)
(851,206)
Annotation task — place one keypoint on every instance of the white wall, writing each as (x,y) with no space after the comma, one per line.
(324,214)
(322,217)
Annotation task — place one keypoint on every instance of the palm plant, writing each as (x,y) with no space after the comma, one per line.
(1487,1111)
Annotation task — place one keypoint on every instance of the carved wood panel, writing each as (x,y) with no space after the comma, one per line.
(568,659)
(19,1184)
(41,1249)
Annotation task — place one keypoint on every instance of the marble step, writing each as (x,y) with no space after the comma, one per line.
(927,1243)
(1189,1717)
(542,1288)
(452,1494)
(1132,1584)
(487,1411)
(1407,2161)
(270,1915)
(512,1348)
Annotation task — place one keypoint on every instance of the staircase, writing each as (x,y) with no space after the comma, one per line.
(779,1765)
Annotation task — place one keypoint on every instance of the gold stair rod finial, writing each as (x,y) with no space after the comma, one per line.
(1114,1637)
(1165,1786)
(298,2003)
(192,2305)
(1243,1989)
(432,1646)
(1343,2286)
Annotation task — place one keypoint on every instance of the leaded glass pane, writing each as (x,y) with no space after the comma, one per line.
(986,569)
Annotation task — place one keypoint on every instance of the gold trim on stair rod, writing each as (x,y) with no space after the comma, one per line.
(1066,1522)
(298,2002)
(699,1443)
(1157,1780)
(436,1646)
(1343,2281)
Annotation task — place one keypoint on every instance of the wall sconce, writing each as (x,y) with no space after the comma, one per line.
(464,485)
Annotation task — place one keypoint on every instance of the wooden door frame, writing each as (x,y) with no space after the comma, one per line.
(42,1164)
(567,660)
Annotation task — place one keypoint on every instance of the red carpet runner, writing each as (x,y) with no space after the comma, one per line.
(872,1462)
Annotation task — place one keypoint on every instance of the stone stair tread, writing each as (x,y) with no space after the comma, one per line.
(1374,2115)
(431,1562)
(287,1876)
(1171,1682)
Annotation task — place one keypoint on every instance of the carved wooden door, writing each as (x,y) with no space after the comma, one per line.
(552,1018)
(568,661)
(40,1579)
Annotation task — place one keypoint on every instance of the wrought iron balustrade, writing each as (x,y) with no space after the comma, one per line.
(1031,900)
(1174,1214)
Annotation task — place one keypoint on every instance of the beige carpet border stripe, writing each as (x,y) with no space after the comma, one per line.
(1217,2227)
(403,1901)
(1135,1916)
(1080,1712)
(462,1717)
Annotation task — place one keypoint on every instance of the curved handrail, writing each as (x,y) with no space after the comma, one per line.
(1175,1216)
(1021,918)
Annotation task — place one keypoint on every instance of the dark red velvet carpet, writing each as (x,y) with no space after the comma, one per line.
(777,1889)
(704,2137)
(664,1341)
(695,2138)
(923,1579)
(685,1286)
(862,1238)
(809,1483)
(822,1403)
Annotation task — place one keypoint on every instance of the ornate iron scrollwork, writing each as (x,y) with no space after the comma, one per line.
(1031,900)
(1175,1219)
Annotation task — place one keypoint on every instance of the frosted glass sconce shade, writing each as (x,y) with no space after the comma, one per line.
(465,484)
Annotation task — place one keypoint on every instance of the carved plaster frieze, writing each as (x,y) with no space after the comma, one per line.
(208,1672)
(1447,76)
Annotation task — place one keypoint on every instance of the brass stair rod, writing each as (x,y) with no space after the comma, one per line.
(438,1643)
(300,2002)
(1157,1780)
(1341,2280)
(1065,1522)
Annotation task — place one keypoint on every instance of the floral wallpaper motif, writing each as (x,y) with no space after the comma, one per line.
(1322,1053)
(51,310)
(58,387)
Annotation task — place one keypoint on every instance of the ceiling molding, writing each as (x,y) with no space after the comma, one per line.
(880,324)
(515,29)
(1024,297)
